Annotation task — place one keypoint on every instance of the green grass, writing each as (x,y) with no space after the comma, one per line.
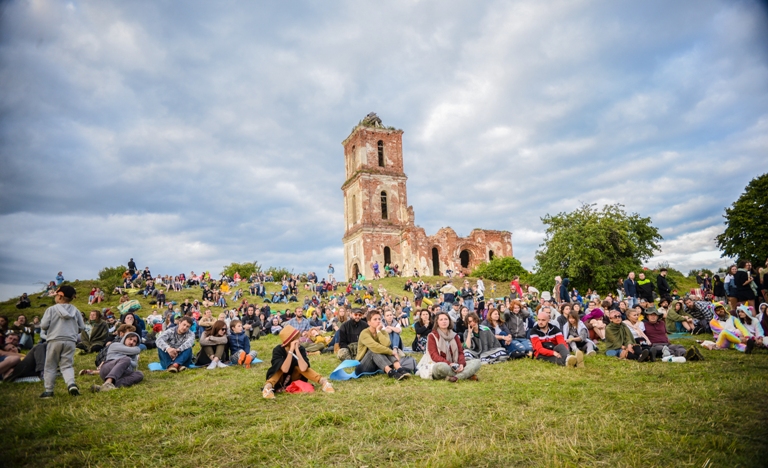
(521,413)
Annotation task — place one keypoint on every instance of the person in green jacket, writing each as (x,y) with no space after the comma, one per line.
(676,317)
(620,342)
(94,337)
(373,350)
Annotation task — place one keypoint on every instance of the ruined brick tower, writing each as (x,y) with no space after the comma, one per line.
(379,224)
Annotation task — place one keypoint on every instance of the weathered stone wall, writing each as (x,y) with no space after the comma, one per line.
(368,233)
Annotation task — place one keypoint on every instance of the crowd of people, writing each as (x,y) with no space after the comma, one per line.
(457,329)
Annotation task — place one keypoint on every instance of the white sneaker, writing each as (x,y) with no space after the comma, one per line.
(222,365)
(212,365)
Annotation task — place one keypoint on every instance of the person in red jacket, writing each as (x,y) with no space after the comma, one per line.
(444,347)
(549,345)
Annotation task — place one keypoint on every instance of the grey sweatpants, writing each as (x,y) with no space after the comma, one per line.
(61,355)
(442,370)
(120,371)
(372,362)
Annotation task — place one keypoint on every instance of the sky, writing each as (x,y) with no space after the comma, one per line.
(189,136)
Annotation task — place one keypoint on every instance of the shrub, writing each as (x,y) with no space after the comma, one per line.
(501,269)
(110,277)
(244,269)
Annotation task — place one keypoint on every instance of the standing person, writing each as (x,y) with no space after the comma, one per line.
(663,285)
(746,289)
(59,278)
(564,295)
(630,289)
(448,293)
(331,271)
(556,290)
(62,324)
(644,289)
(290,363)
(131,266)
(445,350)
(468,297)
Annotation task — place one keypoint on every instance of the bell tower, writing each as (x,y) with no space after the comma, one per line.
(375,198)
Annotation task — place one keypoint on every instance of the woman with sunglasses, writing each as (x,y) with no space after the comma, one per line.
(620,342)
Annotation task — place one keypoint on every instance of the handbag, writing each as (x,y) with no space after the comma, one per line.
(424,368)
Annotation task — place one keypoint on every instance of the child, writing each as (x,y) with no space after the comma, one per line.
(62,323)
(290,362)
(240,345)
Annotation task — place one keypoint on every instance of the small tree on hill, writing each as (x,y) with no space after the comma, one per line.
(501,269)
(110,277)
(746,221)
(244,269)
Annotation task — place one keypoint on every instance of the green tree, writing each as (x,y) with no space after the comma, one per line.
(746,221)
(594,248)
(245,269)
(501,269)
(109,277)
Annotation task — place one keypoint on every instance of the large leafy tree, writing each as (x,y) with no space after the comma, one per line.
(501,269)
(594,248)
(746,232)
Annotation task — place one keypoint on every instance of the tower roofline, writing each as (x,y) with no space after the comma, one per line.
(360,126)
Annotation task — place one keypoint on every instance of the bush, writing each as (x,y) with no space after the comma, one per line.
(110,277)
(244,269)
(501,269)
(278,272)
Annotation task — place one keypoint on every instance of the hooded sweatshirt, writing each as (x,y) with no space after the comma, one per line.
(62,322)
(118,350)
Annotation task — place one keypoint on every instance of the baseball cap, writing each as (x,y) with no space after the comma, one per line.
(68,291)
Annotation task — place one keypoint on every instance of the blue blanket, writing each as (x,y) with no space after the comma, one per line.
(341,374)
(155,366)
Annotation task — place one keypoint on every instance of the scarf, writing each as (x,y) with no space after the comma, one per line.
(446,344)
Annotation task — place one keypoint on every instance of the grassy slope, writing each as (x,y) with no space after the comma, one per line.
(523,413)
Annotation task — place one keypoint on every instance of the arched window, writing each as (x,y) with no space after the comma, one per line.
(381,153)
(490,255)
(464,257)
(387,256)
(354,210)
(384,214)
(435,262)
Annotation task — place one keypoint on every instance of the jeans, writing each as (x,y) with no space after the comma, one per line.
(522,345)
(613,352)
(469,304)
(394,338)
(184,358)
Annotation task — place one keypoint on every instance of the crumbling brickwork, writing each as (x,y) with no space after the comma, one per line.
(379,224)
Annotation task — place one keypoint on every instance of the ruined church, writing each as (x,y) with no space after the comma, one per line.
(379,224)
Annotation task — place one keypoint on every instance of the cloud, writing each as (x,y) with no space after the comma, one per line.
(192,138)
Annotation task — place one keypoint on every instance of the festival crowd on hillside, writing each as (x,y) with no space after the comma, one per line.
(457,328)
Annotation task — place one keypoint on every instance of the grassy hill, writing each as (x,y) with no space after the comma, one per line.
(521,413)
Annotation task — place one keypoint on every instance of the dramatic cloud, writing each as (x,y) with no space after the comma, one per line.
(192,137)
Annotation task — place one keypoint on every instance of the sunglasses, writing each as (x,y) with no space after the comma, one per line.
(615,317)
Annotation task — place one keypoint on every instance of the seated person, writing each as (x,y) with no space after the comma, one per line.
(479,342)
(729,332)
(422,325)
(24,302)
(120,366)
(349,332)
(240,345)
(516,319)
(373,350)
(95,335)
(213,346)
(313,341)
(24,331)
(619,341)
(593,319)
(549,345)
(251,323)
(392,327)
(499,329)
(174,346)
(656,331)
(576,334)
(290,363)
(445,350)
(753,325)
(677,320)
(638,328)
(299,322)
(274,325)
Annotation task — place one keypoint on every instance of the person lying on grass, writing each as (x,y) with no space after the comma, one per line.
(619,341)
(549,345)
(290,363)
(214,345)
(445,350)
(374,352)
(121,331)
(753,326)
(240,345)
(120,367)
(95,335)
(174,346)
